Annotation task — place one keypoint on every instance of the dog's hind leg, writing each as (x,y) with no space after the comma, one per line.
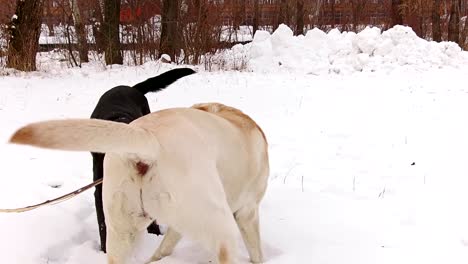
(170,240)
(248,221)
(123,226)
(119,245)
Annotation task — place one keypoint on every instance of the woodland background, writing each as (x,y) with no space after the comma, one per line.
(187,30)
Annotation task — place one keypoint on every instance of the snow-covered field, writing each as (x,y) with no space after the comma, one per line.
(368,165)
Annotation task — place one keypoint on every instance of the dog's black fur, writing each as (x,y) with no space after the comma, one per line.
(125,104)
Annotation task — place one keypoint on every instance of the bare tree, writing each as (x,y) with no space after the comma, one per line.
(464,35)
(47,11)
(397,17)
(238,9)
(282,14)
(436,32)
(111,32)
(25,29)
(97,21)
(313,12)
(416,13)
(101,5)
(236,14)
(80,31)
(169,35)
(358,9)
(201,34)
(256,16)
(333,13)
(299,17)
(243,11)
(454,22)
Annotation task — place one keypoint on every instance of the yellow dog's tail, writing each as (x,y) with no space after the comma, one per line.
(88,135)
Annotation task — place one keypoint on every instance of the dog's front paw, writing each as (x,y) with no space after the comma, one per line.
(151,261)
(156,257)
(256,261)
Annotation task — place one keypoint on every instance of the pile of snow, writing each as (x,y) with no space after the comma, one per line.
(346,52)
(318,52)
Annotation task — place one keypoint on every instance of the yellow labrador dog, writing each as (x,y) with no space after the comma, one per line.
(200,170)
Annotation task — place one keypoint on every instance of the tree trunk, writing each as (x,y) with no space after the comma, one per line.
(355,13)
(315,12)
(282,13)
(49,24)
(397,17)
(97,21)
(235,14)
(169,35)
(101,7)
(436,31)
(299,17)
(454,22)
(80,31)
(333,14)
(256,16)
(243,12)
(25,29)
(464,35)
(111,32)
(421,23)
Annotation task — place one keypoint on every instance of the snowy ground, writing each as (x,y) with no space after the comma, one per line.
(366,167)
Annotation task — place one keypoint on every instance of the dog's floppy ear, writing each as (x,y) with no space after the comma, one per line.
(88,135)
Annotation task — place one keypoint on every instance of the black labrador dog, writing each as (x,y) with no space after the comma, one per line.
(125,104)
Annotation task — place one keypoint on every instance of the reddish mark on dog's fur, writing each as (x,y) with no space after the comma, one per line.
(142,168)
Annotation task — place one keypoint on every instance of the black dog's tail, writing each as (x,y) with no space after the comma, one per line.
(161,81)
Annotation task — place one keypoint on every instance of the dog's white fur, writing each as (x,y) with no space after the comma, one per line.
(208,171)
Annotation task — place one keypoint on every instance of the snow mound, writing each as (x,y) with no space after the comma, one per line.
(346,52)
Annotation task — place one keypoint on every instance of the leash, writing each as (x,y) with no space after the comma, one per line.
(53,201)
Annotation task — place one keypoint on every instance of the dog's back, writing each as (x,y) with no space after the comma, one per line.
(122,104)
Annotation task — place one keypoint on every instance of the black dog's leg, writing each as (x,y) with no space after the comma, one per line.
(98,173)
(98,159)
(154,229)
